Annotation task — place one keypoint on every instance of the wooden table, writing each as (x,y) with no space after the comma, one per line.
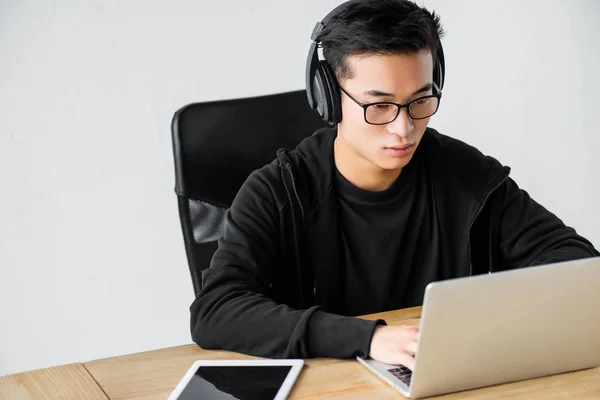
(154,374)
(70,381)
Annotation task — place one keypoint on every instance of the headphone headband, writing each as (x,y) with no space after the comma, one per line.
(317,31)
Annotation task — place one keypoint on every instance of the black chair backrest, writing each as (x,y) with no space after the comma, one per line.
(216,146)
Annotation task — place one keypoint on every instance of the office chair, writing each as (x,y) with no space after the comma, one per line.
(216,146)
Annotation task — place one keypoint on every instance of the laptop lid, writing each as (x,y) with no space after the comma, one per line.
(508,326)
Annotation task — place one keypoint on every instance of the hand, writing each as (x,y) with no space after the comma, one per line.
(395,345)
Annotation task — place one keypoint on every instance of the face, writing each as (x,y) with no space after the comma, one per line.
(397,78)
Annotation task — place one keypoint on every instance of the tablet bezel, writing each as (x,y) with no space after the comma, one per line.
(285,388)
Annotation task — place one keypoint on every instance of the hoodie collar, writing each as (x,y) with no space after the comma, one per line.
(313,161)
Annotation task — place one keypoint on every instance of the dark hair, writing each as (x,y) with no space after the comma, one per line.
(378,27)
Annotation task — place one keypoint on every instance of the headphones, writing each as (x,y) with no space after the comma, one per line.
(322,88)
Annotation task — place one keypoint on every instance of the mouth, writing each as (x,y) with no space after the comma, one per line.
(401,147)
(400,150)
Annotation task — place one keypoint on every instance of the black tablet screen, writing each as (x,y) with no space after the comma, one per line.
(244,383)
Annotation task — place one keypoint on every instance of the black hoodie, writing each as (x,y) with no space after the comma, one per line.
(272,286)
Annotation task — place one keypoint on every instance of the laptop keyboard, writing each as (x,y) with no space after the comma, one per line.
(402,373)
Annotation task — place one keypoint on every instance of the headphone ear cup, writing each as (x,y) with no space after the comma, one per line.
(439,69)
(320,96)
(332,90)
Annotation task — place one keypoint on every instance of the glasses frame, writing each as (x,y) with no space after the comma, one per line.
(399,106)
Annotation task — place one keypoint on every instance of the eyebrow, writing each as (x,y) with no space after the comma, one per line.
(378,93)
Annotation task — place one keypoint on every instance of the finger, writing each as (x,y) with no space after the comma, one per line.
(412,335)
(411,347)
(411,328)
(406,359)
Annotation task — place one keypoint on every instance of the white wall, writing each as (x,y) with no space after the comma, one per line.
(92,261)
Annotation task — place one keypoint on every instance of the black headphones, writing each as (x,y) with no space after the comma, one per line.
(322,88)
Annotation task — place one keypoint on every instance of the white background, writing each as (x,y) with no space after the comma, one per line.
(92,262)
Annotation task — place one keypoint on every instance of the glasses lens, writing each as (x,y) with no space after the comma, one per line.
(423,108)
(381,113)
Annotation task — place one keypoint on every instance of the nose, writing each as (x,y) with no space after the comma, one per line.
(402,125)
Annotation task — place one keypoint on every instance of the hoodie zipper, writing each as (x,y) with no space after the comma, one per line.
(485,199)
(288,167)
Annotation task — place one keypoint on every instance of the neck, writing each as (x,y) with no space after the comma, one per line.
(359,171)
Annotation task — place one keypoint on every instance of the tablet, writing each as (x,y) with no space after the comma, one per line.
(238,379)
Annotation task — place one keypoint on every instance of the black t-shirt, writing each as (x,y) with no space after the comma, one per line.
(390,242)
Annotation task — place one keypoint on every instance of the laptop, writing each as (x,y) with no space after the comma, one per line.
(503,327)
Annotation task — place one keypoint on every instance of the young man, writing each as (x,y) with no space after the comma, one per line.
(359,218)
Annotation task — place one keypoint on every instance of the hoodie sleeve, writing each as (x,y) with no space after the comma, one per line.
(232,310)
(531,235)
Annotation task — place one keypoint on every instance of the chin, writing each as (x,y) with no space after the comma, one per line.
(389,163)
(392,165)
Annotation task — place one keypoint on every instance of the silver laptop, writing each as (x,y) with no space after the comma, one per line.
(503,327)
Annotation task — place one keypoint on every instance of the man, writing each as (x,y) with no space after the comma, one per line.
(359,218)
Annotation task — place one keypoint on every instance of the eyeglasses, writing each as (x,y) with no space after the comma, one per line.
(385,112)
